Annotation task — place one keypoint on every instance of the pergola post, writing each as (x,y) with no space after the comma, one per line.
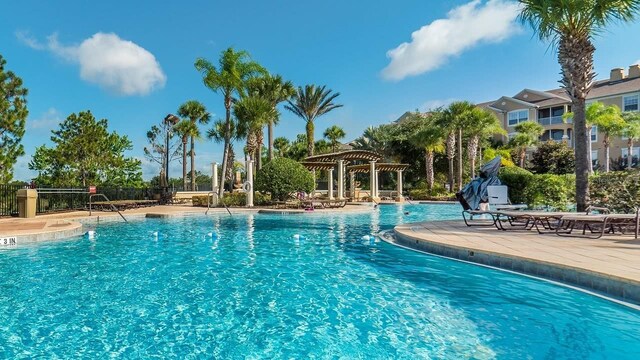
(400,198)
(377,183)
(330,185)
(373,184)
(340,179)
(352,185)
(249,182)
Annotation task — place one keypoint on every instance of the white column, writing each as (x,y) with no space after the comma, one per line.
(249,188)
(400,198)
(352,185)
(377,185)
(340,179)
(330,185)
(372,178)
(214,177)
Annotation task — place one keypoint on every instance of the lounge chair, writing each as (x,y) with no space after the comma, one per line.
(598,225)
(499,199)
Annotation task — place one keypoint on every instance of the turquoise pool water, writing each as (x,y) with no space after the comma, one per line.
(254,290)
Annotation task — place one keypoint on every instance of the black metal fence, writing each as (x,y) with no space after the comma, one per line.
(61,199)
(8,199)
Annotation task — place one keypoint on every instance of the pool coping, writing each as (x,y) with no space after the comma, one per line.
(608,286)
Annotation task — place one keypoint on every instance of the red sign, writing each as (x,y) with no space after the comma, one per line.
(92,189)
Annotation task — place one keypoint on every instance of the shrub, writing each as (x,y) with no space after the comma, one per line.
(556,191)
(553,157)
(517,179)
(618,191)
(283,176)
(504,154)
(199,200)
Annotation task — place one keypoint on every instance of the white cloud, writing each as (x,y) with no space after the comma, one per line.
(46,121)
(119,66)
(464,27)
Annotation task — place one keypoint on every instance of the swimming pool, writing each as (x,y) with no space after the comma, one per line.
(253,289)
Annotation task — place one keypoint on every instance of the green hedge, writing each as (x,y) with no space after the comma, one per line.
(517,179)
(617,190)
(282,177)
(544,190)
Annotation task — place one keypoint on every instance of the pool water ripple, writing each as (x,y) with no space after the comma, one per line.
(253,290)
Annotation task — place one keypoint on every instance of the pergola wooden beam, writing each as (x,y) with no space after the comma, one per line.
(363,155)
(384,167)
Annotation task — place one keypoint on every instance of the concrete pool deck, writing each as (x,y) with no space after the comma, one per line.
(609,265)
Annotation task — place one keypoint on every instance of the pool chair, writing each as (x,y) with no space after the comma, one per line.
(499,199)
(595,226)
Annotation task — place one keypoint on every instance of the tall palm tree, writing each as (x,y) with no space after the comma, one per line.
(230,78)
(479,124)
(185,129)
(219,133)
(609,121)
(528,134)
(253,113)
(632,132)
(309,103)
(334,134)
(451,121)
(281,145)
(197,114)
(430,137)
(570,25)
(275,90)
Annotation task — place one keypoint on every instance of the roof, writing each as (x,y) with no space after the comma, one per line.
(558,96)
(384,167)
(315,165)
(364,155)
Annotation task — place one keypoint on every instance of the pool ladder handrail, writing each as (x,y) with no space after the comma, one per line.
(209,195)
(109,201)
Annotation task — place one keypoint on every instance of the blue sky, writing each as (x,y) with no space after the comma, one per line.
(471,50)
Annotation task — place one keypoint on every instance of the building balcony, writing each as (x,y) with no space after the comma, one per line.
(553,120)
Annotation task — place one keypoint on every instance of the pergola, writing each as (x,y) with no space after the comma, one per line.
(328,162)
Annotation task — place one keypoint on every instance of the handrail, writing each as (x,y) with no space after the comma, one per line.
(109,201)
(209,203)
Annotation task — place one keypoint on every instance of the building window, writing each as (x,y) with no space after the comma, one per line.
(594,158)
(518,116)
(594,134)
(557,135)
(630,103)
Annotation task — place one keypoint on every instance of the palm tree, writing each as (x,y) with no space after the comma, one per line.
(309,103)
(430,137)
(185,129)
(253,113)
(275,90)
(571,25)
(234,69)
(528,134)
(334,134)
(451,121)
(479,124)
(281,145)
(219,133)
(197,114)
(632,132)
(609,121)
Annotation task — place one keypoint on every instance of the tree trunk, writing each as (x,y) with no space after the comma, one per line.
(629,153)
(472,149)
(582,160)
(428,160)
(227,143)
(310,136)
(270,135)
(193,164)
(523,156)
(451,154)
(590,150)
(460,159)
(184,164)
(575,56)
(259,141)
(606,144)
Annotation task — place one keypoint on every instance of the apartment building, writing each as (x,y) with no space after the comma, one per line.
(548,107)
